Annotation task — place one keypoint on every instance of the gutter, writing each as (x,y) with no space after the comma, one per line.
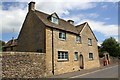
(52,53)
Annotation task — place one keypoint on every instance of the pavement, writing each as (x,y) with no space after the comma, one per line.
(109,71)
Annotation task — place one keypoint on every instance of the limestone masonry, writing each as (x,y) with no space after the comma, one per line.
(64,47)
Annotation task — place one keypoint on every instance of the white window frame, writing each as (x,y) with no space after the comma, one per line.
(76,56)
(89,42)
(62,55)
(91,58)
(54,20)
(63,35)
(78,39)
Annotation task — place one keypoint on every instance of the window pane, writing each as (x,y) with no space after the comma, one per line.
(89,42)
(78,38)
(76,55)
(91,56)
(54,20)
(66,55)
(58,56)
(62,35)
(62,55)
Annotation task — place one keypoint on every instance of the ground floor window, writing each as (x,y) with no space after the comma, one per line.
(62,55)
(76,56)
(90,56)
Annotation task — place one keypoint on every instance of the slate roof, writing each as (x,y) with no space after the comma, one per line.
(62,24)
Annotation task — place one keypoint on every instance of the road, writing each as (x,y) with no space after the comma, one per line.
(110,71)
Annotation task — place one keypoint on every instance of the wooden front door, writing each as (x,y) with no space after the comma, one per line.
(81,62)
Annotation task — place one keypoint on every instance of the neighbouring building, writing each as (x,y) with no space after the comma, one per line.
(10,45)
(67,47)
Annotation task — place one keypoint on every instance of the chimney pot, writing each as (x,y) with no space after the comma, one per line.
(71,22)
(31,6)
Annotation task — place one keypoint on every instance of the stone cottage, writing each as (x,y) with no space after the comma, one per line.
(11,45)
(67,47)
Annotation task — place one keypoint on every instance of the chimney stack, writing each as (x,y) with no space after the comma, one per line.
(71,22)
(31,6)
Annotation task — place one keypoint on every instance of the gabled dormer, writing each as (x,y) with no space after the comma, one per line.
(54,18)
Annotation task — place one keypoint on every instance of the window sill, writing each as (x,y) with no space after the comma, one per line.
(75,60)
(91,59)
(78,42)
(62,60)
(62,39)
(89,45)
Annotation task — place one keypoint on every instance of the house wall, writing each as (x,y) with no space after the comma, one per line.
(23,65)
(8,49)
(13,48)
(48,52)
(32,34)
(71,46)
(87,33)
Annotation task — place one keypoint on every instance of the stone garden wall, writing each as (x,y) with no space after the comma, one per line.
(22,64)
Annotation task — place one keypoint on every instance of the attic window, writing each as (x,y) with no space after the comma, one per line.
(54,20)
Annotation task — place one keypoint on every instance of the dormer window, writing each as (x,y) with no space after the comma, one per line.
(54,20)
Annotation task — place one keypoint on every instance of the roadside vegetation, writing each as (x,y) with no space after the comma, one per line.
(2,43)
(110,46)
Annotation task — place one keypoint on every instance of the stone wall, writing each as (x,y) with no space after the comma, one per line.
(23,65)
(113,60)
(71,46)
(32,35)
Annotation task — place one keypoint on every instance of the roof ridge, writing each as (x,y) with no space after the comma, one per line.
(42,12)
(81,24)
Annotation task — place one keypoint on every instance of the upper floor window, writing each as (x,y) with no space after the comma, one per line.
(62,55)
(76,56)
(89,41)
(90,56)
(54,20)
(78,39)
(62,35)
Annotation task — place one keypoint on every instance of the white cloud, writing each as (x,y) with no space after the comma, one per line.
(63,7)
(12,18)
(61,0)
(80,17)
(93,15)
(99,44)
(107,18)
(104,6)
(0,23)
(15,15)
(107,30)
(116,38)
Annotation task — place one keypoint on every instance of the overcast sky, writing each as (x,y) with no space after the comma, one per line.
(101,16)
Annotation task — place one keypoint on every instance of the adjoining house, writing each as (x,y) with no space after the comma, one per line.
(67,47)
(10,45)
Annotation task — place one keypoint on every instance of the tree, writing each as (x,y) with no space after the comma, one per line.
(2,43)
(111,46)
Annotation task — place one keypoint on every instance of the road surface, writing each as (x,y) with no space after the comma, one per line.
(110,71)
